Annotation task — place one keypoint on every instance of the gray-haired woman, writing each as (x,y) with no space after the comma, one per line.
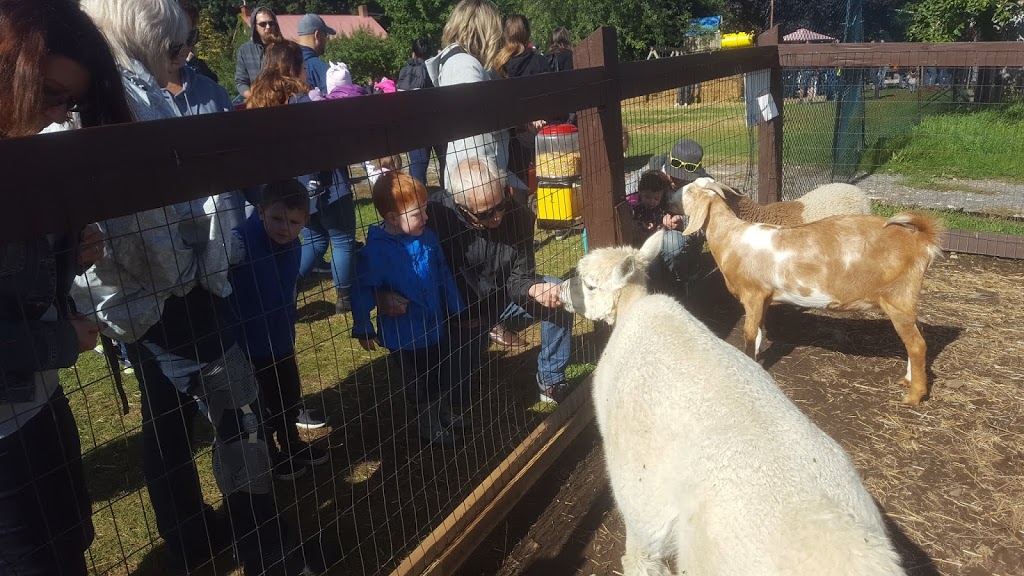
(161,288)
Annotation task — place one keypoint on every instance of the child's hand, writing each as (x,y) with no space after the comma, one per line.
(391,303)
(368,344)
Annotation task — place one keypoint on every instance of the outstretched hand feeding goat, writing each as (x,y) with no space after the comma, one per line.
(839,263)
(710,463)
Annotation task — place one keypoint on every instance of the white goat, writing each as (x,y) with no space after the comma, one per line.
(710,463)
(840,263)
(836,199)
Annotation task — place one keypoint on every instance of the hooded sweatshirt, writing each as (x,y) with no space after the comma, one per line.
(459,67)
(199,95)
(250,55)
(415,267)
(526,63)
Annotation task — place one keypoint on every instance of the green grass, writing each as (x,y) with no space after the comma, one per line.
(959,220)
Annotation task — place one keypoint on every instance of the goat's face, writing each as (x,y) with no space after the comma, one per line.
(675,203)
(696,199)
(601,275)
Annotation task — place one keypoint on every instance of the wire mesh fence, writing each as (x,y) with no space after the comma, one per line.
(939,138)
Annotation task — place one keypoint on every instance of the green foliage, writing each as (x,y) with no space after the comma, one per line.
(217,49)
(224,13)
(407,20)
(368,57)
(961,20)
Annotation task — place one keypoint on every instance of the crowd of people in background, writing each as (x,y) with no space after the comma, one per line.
(200,297)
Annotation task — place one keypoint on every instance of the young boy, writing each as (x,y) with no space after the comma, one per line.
(649,212)
(263,292)
(403,256)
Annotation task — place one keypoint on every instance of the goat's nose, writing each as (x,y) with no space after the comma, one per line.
(565,294)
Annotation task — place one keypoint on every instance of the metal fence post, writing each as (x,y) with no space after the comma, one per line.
(769,157)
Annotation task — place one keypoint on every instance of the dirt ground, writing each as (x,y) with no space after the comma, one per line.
(947,474)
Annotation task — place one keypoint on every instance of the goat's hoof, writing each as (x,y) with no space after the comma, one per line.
(912,399)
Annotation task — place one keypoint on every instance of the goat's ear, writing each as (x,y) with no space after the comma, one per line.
(652,247)
(698,212)
(721,189)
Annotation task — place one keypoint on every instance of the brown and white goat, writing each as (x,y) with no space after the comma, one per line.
(839,263)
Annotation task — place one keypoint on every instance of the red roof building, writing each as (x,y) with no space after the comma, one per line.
(344,24)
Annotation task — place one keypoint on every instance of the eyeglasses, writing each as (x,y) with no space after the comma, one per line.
(68,102)
(491,213)
(688,166)
(267,23)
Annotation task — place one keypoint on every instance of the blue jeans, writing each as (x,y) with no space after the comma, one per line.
(335,222)
(679,258)
(419,159)
(555,345)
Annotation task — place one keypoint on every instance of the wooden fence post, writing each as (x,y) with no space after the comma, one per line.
(604,184)
(769,157)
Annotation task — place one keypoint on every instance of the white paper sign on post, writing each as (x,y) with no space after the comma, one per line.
(767,105)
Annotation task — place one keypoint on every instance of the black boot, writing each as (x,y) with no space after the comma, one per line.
(344,303)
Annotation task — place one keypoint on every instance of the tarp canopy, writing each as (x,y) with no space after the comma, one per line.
(706,25)
(805,35)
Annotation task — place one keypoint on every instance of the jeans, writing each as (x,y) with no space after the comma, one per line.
(335,222)
(555,345)
(183,519)
(419,159)
(679,258)
(45,512)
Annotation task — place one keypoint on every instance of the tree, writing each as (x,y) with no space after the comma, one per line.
(367,56)
(962,20)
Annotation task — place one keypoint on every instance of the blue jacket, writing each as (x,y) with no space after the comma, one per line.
(316,70)
(264,292)
(200,95)
(413,266)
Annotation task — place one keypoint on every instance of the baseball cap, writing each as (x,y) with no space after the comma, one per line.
(311,23)
(685,163)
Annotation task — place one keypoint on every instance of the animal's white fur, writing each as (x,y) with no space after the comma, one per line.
(836,199)
(841,263)
(710,463)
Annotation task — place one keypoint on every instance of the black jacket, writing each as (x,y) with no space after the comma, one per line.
(413,76)
(492,267)
(35,275)
(526,63)
(560,60)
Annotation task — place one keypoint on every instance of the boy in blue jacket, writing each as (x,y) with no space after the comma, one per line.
(263,293)
(403,256)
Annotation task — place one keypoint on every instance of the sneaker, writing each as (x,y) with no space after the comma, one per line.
(323,268)
(563,234)
(310,455)
(289,469)
(310,419)
(555,393)
(431,430)
(127,367)
(98,349)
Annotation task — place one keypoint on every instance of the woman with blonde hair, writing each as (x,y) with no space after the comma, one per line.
(472,38)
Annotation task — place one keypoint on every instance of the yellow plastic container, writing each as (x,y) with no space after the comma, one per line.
(556,201)
(737,40)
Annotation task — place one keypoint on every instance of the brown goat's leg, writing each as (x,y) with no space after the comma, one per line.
(906,326)
(753,318)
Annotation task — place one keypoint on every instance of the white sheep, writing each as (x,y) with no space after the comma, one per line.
(835,199)
(710,463)
(840,263)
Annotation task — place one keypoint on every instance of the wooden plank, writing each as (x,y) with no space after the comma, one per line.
(984,244)
(118,170)
(470,539)
(860,55)
(769,134)
(657,75)
(451,542)
(600,133)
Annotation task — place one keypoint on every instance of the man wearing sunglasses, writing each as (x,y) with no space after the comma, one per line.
(250,55)
(487,239)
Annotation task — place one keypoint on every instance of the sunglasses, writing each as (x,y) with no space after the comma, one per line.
(267,24)
(190,40)
(688,166)
(490,214)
